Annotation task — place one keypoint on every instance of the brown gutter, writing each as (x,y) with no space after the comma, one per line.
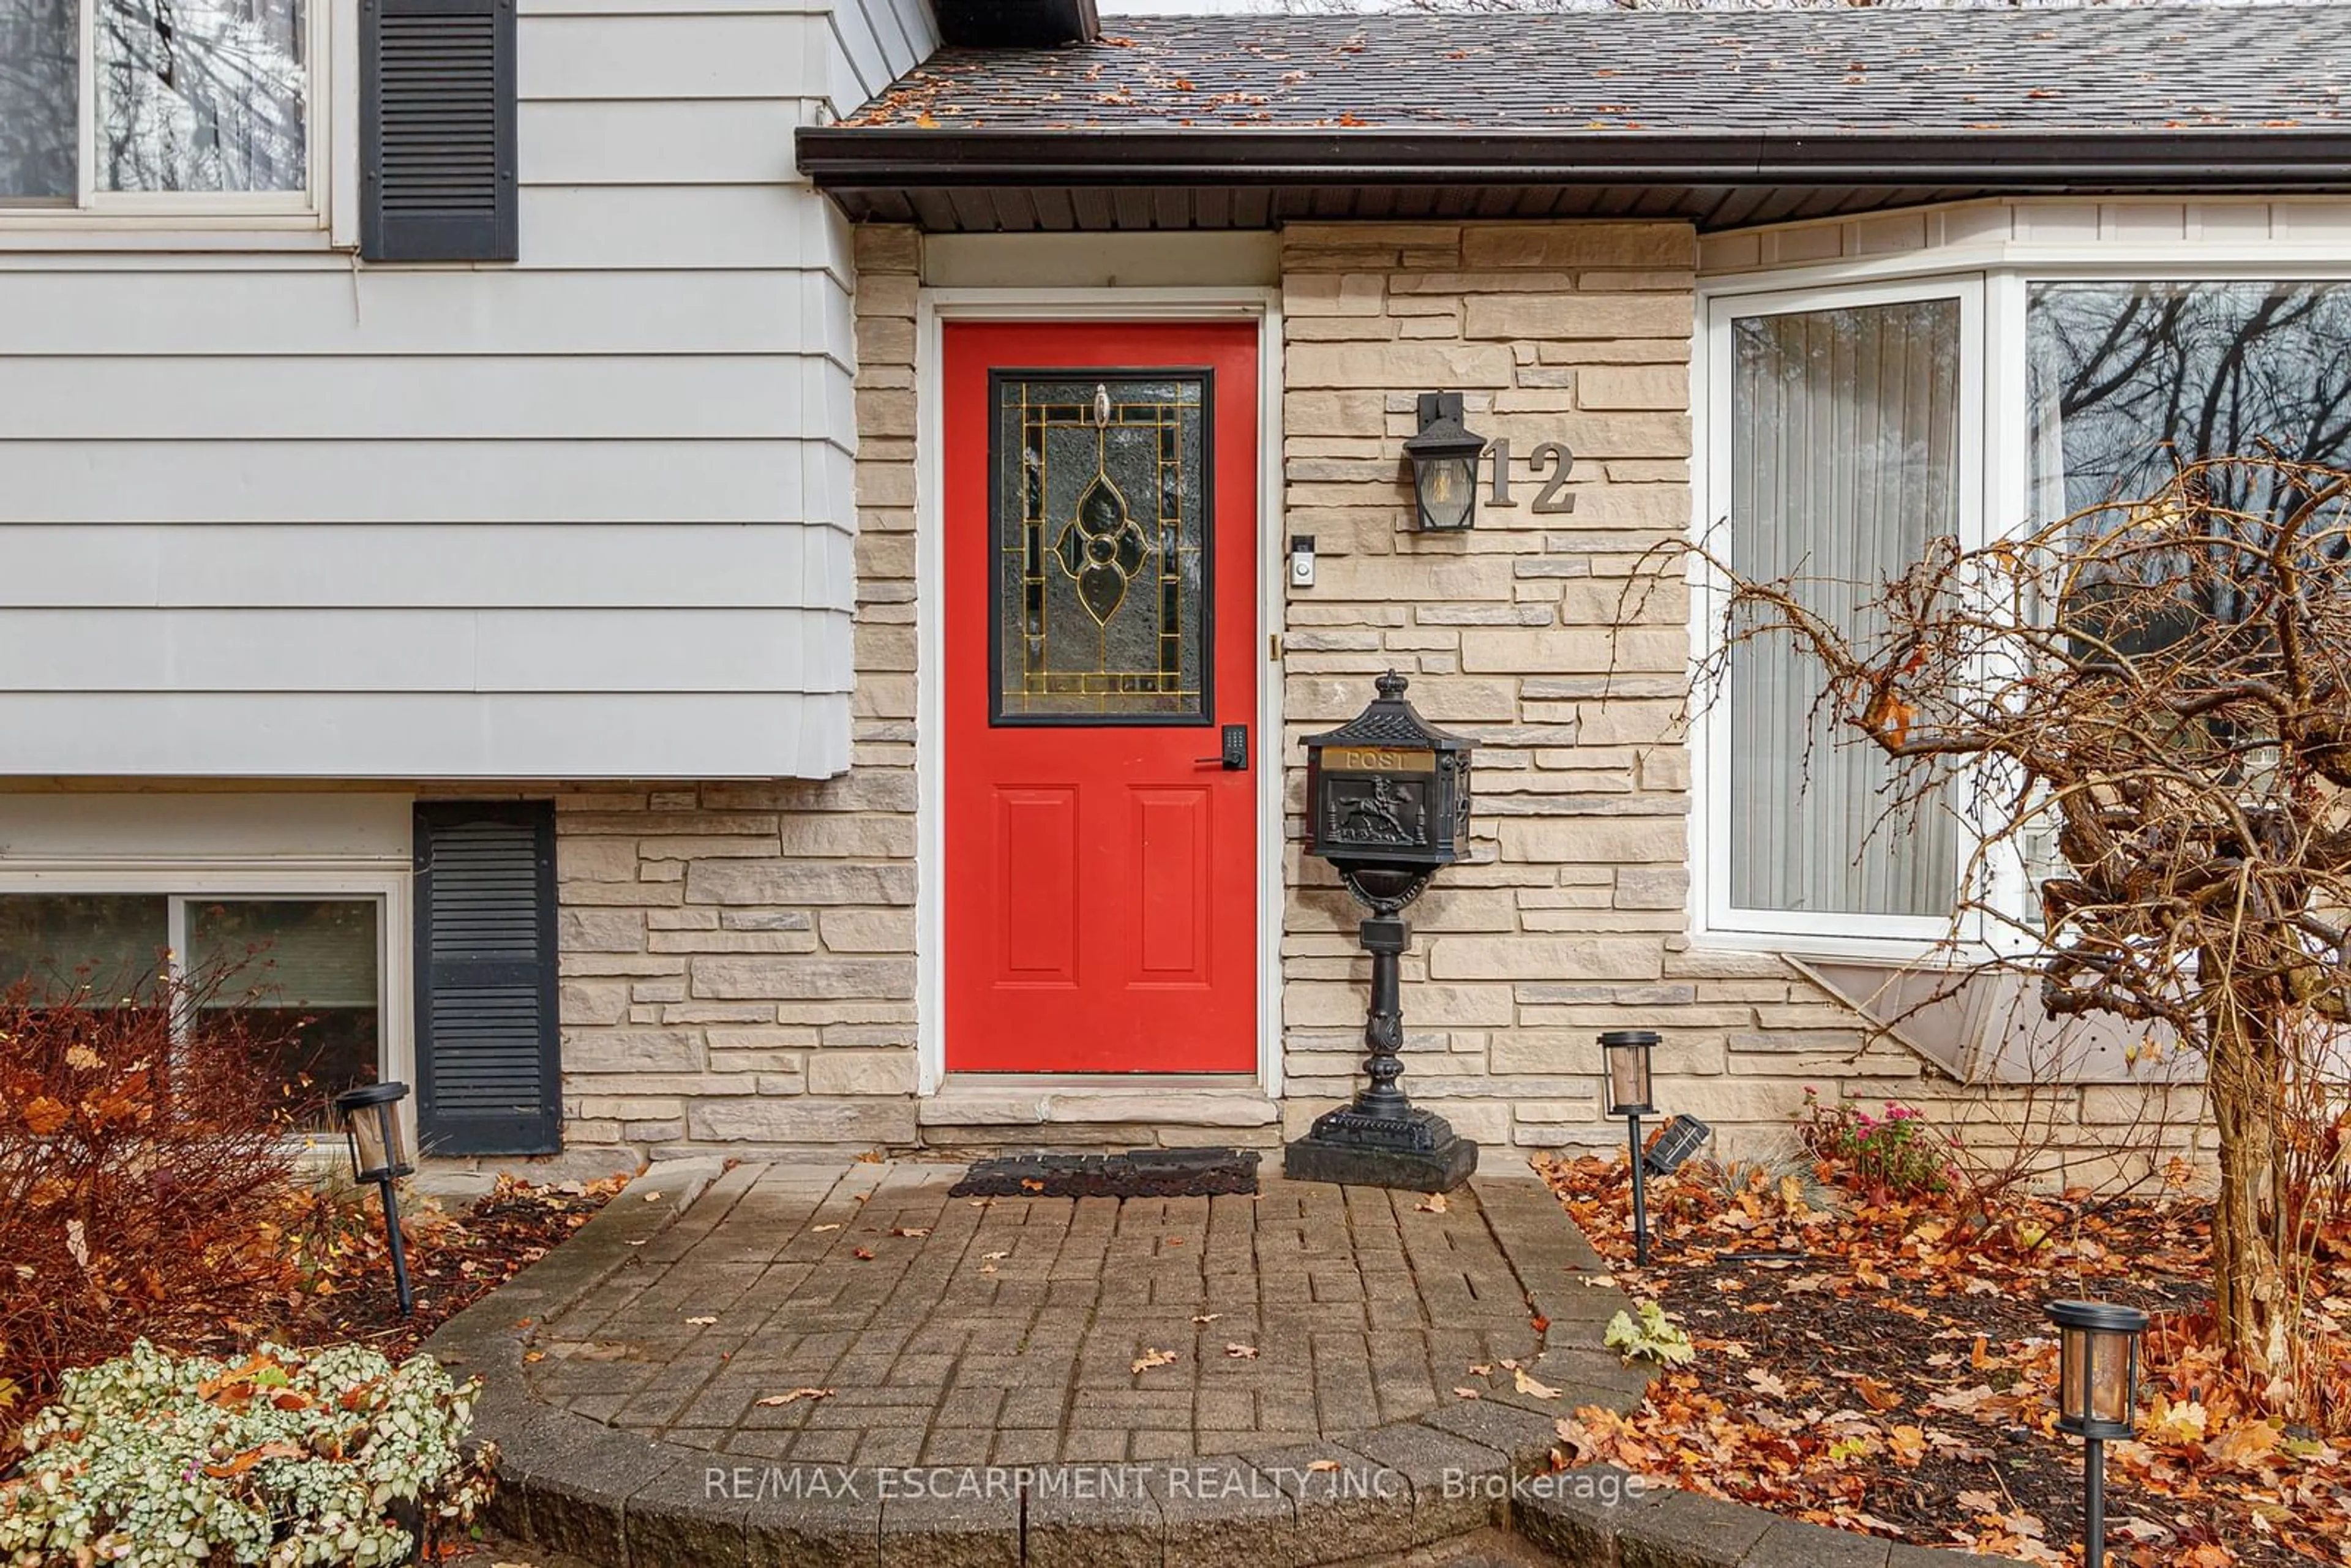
(2218,161)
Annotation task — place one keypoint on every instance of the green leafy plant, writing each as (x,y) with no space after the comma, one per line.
(284,1459)
(1896,1154)
(1653,1335)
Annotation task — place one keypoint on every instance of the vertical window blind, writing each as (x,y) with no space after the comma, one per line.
(1845,448)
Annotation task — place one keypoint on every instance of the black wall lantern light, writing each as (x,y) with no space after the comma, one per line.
(371,1122)
(1626,1052)
(2097,1396)
(1444,465)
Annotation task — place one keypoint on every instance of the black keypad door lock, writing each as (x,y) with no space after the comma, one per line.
(1234,758)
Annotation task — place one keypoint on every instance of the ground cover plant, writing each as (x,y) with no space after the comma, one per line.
(337,1457)
(1881,1361)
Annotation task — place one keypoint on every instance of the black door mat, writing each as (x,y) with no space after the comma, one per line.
(1141,1172)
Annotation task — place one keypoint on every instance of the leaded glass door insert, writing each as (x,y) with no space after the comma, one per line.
(1101,505)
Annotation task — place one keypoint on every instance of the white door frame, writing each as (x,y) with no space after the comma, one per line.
(932,308)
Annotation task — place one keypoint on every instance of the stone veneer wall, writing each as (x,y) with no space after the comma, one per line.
(1548,640)
(737,968)
(737,958)
(1565,654)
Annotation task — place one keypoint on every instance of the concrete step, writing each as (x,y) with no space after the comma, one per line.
(994,1111)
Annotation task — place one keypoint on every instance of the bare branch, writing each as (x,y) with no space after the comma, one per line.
(2167,682)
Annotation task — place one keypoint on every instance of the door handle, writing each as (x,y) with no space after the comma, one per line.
(1234,758)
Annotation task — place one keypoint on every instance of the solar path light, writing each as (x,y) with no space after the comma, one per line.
(2097,1396)
(1626,1052)
(371,1122)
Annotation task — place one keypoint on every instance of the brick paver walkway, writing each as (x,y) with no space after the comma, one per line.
(1005,1330)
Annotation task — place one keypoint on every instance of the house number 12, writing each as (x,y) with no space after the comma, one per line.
(1552,456)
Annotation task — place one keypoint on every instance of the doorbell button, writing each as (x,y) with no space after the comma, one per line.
(1301,560)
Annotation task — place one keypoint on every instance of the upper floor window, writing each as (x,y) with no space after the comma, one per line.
(131,104)
(1848,427)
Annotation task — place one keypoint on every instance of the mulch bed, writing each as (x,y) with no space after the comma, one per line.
(1890,1368)
(457,1255)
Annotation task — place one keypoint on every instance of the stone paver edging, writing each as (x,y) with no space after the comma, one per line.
(621,1500)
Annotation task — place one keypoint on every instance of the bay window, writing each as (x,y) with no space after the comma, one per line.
(1847,426)
(184,105)
(2125,380)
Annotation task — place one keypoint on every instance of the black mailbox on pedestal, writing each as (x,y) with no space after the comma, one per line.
(1387,802)
(1388,789)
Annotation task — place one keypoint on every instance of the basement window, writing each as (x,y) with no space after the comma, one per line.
(304,972)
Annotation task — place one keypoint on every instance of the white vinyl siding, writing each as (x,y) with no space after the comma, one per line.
(408,650)
(417,397)
(572,567)
(146,308)
(430,479)
(273,512)
(398,735)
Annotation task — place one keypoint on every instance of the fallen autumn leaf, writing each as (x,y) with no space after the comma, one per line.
(796,1395)
(1529,1386)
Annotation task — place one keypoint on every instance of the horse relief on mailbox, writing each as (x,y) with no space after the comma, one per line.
(1377,810)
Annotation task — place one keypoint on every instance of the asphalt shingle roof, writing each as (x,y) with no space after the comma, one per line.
(2202,68)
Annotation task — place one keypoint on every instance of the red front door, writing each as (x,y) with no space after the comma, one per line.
(1101,611)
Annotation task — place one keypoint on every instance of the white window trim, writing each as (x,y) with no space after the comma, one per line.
(182,881)
(1993,379)
(1718,922)
(217,219)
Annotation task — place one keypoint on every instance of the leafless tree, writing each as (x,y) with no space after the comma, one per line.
(2162,686)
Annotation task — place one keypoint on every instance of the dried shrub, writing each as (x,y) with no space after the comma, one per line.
(142,1169)
(2144,711)
(2313,1214)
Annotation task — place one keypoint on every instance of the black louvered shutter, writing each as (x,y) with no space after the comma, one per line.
(488,1060)
(437,130)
